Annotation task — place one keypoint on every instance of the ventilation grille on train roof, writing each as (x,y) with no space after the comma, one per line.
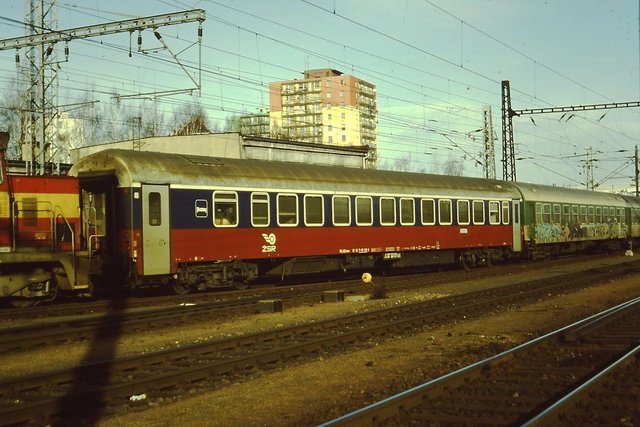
(204,161)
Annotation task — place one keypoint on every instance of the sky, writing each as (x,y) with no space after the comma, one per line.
(436,64)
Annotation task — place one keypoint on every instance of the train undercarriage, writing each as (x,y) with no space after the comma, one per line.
(241,274)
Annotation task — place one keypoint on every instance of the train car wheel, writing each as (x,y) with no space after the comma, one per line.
(239,283)
(179,288)
(22,302)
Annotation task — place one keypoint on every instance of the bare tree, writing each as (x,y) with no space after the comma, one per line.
(452,167)
(152,119)
(232,124)
(190,119)
(10,117)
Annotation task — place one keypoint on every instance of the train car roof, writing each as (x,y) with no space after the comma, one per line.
(143,167)
(551,194)
(632,201)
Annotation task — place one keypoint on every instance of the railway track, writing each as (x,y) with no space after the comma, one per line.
(90,307)
(587,373)
(88,392)
(127,316)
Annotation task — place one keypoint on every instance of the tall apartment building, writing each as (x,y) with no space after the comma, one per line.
(326,107)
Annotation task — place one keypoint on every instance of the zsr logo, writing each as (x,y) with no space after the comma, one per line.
(271,242)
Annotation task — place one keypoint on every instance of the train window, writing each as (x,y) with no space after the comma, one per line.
(428,211)
(566,214)
(494,212)
(478,212)
(225,208)
(155,211)
(574,213)
(546,213)
(407,212)
(505,212)
(313,210)
(341,210)
(598,215)
(287,205)
(463,212)
(538,213)
(556,214)
(621,217)
(590,218)
(259,209)
(445,216)
(583,215)
(364,211)
(387,211)
(201,208)
(612,214)
(605,214)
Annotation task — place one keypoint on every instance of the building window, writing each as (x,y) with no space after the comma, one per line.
(329,116)
(328,94)
(344,138)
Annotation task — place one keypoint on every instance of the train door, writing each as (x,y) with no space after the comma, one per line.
(155,230)
(517,235)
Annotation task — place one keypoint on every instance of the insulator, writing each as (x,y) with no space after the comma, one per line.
(199,31)
(139,39)
(17,57)
(157,34)
(66,51)
(49,50)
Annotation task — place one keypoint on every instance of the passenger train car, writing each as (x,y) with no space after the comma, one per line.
(192,222)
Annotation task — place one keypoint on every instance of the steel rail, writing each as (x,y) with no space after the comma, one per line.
(393,407)
(113,380)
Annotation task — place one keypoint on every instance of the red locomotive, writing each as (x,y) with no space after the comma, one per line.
(43,240)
